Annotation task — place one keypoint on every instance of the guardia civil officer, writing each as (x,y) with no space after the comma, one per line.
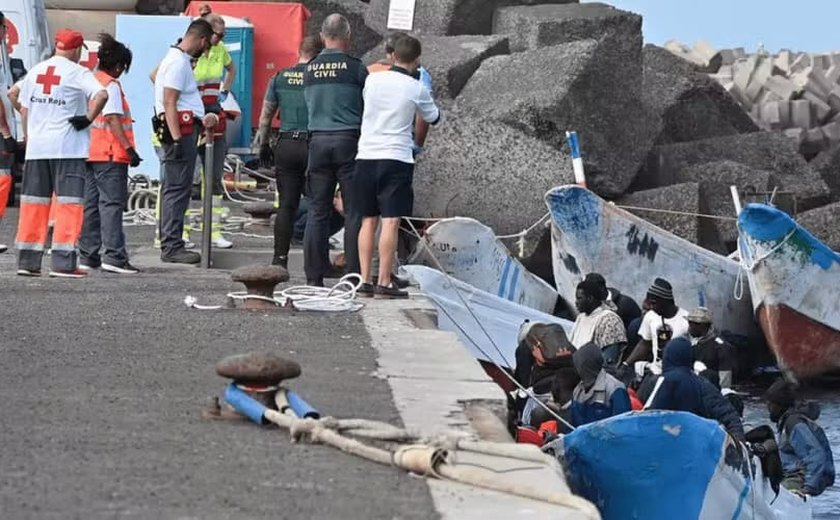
(333,84)
(291,151)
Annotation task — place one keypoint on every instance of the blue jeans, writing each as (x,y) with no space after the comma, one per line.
(106,193)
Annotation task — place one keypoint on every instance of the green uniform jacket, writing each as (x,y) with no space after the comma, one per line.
(333,83)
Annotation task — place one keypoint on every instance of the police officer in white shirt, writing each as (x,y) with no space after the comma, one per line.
(180,117)
(59,100)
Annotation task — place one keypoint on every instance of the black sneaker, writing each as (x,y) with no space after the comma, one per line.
(390,292)
(86,265)
(126,268)
(181,256)
(401,283)
(282,261)
(29,272)
(366,290)
(315,283)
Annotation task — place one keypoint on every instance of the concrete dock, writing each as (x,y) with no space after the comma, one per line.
(105,379)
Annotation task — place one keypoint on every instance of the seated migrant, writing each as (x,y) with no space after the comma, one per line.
(598,395)
(807,461)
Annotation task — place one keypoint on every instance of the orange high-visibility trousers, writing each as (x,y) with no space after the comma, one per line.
(51,220)
(42,177)
(5,180)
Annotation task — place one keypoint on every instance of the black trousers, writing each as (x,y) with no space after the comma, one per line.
(332,159)
(290,160)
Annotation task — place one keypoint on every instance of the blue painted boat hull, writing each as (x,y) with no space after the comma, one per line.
(670,465)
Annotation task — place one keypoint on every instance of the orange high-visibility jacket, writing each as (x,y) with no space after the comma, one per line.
(104,145)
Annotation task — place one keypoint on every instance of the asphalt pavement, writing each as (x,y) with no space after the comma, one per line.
(103,384)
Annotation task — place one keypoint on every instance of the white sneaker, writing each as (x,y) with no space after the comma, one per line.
(126,268)
(222,243)
(78,273)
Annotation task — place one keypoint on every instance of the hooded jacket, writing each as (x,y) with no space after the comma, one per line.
(683,390)
(598,395)
(805,450)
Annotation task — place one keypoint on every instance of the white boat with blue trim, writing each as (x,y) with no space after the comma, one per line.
(469,251)
(794,280)
(591,235)
(473,315)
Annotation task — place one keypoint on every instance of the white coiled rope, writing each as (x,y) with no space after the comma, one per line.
(341,297)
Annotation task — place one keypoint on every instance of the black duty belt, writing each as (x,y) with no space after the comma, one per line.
(335,133)
(297,136)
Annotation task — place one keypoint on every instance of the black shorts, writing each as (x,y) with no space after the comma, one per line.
(383,188)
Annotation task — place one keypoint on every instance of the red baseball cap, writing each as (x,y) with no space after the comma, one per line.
(68,39)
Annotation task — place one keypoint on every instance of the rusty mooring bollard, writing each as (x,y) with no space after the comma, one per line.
(260,280)
(260,212)
(256,373)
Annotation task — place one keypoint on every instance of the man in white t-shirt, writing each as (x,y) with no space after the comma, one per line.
(385,162)
(181,116)
(597,323)
(59,99)
(660,324)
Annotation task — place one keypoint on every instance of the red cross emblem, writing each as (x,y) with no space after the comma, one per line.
(48,80)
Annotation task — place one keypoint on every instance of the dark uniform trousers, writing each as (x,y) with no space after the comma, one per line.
(291,156)
(332,159)
(106,192)
(176,191)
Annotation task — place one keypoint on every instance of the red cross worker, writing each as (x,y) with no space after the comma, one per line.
(59,100)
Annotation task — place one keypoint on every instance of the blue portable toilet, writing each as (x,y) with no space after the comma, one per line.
(150,37)
(239,41)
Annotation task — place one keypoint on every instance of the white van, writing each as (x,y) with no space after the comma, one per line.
(27,35)
(27,43)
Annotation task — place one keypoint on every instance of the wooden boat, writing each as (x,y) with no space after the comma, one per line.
(667,465)
(794,279)
(592,235)
(469,251)
(473,315)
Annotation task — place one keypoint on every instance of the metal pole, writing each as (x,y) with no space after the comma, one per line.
(207,200)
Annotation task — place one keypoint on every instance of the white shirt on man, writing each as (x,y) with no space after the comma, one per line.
(651,322)
(175,72)
(52,92)
(392,100)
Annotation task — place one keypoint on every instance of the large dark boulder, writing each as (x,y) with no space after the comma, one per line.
(478,167)
(451,60)
(544,25)
(823,224)
(827,164)
(448,17)
(769,151)
(587,86)
(363,37)
(714,179)
(685,105)
(681,205)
